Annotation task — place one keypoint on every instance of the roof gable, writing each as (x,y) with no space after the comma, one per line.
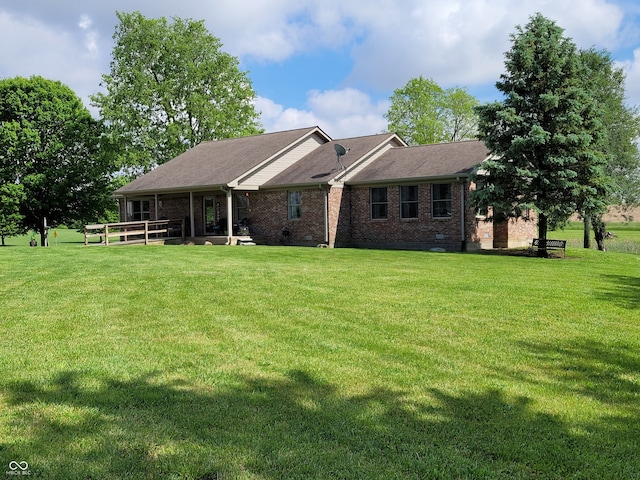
(441,160)
(305,157)
(321,166)
(219,163)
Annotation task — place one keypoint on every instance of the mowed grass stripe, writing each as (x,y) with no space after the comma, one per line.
(276,362)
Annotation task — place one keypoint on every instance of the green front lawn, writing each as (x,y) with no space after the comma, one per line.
(287,362)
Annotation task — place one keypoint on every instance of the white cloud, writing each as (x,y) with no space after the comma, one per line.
(340,113)
(462,43)
(91,36)
(275,117)
(632,70)
(47,51)
(85,22)
(275,30)
(455,42)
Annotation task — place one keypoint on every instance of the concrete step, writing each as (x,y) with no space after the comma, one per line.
(246,241)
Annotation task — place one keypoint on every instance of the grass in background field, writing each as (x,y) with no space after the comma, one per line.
(626,237)
(277,362)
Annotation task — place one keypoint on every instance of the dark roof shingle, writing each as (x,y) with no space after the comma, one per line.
(439,160)
(212,164)
(321,165)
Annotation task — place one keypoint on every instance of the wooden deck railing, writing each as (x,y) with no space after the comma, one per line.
(134,232)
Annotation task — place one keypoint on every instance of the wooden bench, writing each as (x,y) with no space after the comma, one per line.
(550,245)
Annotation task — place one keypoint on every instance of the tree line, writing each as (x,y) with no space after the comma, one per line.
(562,140)
(170,87)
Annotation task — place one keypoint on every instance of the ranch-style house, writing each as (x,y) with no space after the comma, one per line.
(300,187)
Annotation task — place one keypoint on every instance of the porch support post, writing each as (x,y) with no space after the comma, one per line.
(463,215)
(229,216)
(192,216)
(326,214)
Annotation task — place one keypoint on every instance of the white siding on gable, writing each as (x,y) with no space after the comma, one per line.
(283,160)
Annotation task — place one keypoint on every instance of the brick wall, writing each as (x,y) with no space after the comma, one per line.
(395,232)
(479,231)
(269,217)
(484,234)
(350,223)
(522,232)
(514,233)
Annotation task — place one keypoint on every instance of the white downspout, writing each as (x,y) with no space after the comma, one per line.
(326,215)
(192,219)
(229,217)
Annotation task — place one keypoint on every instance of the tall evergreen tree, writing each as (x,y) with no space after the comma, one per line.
(544,135)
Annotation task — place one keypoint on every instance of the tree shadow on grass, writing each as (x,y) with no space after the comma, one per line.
(607,373)
(623,290)
(78,427)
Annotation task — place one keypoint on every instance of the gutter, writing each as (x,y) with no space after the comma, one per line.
(150,192)
(326,213)
(408,180)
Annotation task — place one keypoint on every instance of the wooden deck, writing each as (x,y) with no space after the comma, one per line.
(150,232)
(141,232)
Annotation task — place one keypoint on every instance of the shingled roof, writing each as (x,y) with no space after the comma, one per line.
(422,162)
(215,164)
(321,165)
(305,157)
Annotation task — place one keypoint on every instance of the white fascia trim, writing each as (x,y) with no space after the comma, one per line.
(236,182)
(362,162)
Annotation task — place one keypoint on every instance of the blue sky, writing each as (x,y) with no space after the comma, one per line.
(333,63)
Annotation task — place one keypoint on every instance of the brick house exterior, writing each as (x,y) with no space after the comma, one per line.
(294,187)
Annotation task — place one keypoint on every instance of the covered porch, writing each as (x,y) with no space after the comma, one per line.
(212,214)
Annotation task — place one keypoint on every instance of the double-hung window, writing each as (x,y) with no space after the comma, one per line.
(242,206)
(441,200)
(295,205)
(139,210)
(409,201)
(379,203)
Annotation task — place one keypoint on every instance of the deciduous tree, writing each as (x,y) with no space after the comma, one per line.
(50,146)
(544,135)
(171,87)
(422,112)
(11,195)
(621,123)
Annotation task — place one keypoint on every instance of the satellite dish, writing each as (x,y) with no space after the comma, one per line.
(340,151)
